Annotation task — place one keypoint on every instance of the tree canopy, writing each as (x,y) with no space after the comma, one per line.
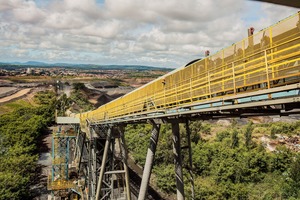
(19,133)
(228,165)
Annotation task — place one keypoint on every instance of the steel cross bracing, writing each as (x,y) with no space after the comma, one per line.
(111,130)
(61,145)
(102,163)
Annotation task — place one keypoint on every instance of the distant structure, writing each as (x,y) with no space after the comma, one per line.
(29,71)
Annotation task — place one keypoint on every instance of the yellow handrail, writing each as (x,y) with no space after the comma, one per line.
(270,55)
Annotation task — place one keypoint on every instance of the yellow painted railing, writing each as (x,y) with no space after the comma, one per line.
(265,60)
(60,184)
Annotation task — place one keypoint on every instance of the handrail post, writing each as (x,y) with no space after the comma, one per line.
(233,79)
(209,88)
(191,92)
(267,69)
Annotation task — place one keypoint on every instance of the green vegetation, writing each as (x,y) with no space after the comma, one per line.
(9,107)
(227,164)
(19,133)
(80,98)
(145,74)
(77,102)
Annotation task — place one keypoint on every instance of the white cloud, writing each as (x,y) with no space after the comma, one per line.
(156,32)
(273,13)
(9,4)
(28,12)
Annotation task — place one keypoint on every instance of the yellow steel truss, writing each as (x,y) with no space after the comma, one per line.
(262,59)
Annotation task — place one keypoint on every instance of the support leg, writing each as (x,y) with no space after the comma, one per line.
(124,158)
(104,159)
(178,161)
(81,152)
(188,133)
(149,160)
(89,169)
(76,142)
(93,168)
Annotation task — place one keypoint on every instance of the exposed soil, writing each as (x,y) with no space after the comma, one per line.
(16,95)
(4,90)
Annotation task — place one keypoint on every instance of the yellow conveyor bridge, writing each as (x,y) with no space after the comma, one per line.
(257,76)
(266,60)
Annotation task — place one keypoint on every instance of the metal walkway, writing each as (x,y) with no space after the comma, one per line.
(263,61)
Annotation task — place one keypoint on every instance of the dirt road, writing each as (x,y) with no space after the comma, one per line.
(19,94)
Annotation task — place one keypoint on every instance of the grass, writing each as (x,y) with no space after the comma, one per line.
(9,107)
(29,79)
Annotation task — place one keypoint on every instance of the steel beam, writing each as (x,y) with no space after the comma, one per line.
(178,161)
(104,159)
(159,114)
(291,3)
(188,134)
(81,151)
(76,142)
(89,168)
(124,159)
(149,160)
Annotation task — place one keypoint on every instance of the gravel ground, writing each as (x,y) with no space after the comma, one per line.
(39,189)
(6,89)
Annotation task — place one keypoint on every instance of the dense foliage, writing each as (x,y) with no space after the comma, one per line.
(77,102)
(228,165)
(19,133)
(80,98)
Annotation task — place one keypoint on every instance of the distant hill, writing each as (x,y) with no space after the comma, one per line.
(35,64)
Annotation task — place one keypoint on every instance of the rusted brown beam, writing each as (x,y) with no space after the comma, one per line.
(291,3)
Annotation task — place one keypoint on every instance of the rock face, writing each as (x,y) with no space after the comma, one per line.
(257,120)
(224,122)
(261,119)
(270,119)
(286,118)
(230,121)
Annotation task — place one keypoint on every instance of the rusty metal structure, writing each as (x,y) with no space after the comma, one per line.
(291,3)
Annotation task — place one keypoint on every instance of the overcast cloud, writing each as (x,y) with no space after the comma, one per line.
(166,33)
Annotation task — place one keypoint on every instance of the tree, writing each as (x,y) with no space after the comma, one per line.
(234,138)
(19,132)
(166,178)
(222,135)
(78,86)
(63,104)
(248,135)
(292,187)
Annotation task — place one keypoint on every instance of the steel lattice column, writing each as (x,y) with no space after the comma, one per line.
(124,154)
(103,164)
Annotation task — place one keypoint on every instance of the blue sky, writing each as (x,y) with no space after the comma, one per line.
(165,33)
